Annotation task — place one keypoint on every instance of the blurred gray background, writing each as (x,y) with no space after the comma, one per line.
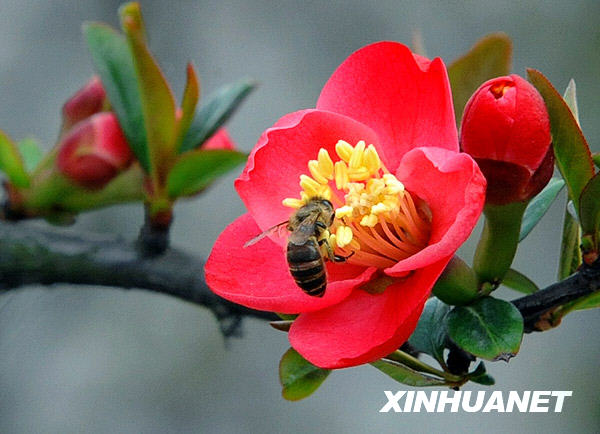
(80,359)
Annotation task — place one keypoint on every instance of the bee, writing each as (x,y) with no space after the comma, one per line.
(304,255)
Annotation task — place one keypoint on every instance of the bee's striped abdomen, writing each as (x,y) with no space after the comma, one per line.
(307,268)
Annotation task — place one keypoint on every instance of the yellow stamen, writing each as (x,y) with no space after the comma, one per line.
(309,185)
(356,159)
(344,211)
(341,175)
(343,236)
(292,203)
(313,167)
(344,150)
(371,159)
(325,163)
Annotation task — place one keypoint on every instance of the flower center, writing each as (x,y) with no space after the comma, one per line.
(376,221)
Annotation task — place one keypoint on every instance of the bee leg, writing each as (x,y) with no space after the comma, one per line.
(322,226)
(332,256)
(340,258)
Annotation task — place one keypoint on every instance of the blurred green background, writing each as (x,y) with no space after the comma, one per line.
(79,359)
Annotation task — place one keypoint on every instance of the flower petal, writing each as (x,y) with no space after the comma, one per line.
(258,276)
(454,189)
(219,140)
(406,100)
(282,154)
(364,327)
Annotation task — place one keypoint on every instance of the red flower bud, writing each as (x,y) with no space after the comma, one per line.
(506,129)
(87,101)
(94,152)
(219,140)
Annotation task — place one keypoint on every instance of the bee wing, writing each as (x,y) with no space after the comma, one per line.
(305,230)
(269,231)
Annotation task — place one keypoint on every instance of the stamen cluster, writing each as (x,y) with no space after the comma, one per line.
(376,219)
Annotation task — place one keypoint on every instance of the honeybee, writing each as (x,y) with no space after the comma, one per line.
(304,255)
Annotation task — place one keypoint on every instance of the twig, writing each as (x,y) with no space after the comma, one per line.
(30,254)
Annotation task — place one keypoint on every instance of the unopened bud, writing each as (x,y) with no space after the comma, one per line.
(94,151)
(87,101)
(506,129)
(219,140)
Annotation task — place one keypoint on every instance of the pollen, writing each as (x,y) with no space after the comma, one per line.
(377,221)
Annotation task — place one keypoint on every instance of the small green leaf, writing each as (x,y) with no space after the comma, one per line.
(539,205)
(405,375)
(589,206)
(195,170)
(11,162)
(191,94)
(571,150)
(430,335)
(31,152)
(282,326)
(480,376)
(220,106)
(114,64)
(596,158)
(519,282)
(591,301)
(287,316)
(570,253)
(158,102)
(570,97)
(299,378)
(489,328)
(490,57)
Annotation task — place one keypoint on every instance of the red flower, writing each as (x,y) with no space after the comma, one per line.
(506,129)
(403,206)
(94,152)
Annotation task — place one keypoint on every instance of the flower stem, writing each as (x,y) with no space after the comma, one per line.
(414,363)
(498,243)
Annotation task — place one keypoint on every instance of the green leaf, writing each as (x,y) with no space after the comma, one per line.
(571,150)
(480,376)
(114,64)
(489,328)
(570,97)
(519,282)
(490,57)
(11,162)
(195,170)
(287,316)
(191,94)
(31,152)
(158,102)
(283,326)
(405,375)
(220,106)
(299,378)
(430,335)
(570,253)
(591,301)
(596,158)
(589,206)
(539,205)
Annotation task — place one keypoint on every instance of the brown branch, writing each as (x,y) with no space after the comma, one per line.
(30,254)
(534,306)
